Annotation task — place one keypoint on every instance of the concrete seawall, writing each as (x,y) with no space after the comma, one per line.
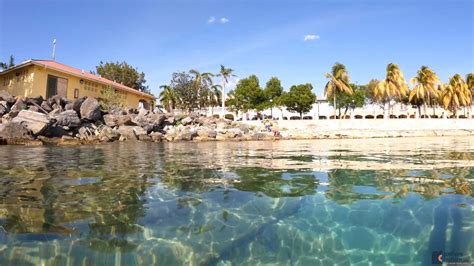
(368,128)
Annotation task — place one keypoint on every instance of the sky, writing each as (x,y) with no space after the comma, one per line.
(297,41)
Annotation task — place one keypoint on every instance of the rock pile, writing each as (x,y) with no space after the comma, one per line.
(57,120)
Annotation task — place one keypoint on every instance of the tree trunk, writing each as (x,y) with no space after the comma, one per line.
(419,111)
(334,105)
(223,98)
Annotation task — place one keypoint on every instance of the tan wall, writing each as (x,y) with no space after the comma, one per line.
(33,81)
(20,82)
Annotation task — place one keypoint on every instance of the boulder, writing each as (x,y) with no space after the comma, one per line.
(69,106)
(68,119)
(113,120)
(76,104)
(244,128)
(46,106)
(150,122)
(35,100)
(205,132)
(4,108)
(186,121)
(14,133)
(33,108)
(127,133)
(87,132)
(186,134)
(18,106)
(233,133)
(58,100)
(141,133)
(5,96)
(90,109)
(108,134)
(156,136)
(33,121)
(57,132)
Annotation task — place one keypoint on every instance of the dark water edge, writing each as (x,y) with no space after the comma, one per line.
(286,203)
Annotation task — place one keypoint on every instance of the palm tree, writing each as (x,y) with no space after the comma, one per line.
(393,87)
(168,98)
(215,97)
(225,74)
(470,84)
(456,94)
(425,90)
(338,83)
(201,79)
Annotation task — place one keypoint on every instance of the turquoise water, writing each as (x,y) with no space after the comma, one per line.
(322,202)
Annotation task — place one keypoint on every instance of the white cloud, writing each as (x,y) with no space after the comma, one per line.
(211,20)
(224,20)
(310,37)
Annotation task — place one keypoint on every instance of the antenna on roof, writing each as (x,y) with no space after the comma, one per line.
(54,49)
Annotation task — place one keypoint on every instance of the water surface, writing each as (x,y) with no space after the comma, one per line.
(320,202)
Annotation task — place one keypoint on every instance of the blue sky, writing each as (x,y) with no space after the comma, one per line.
(261,37)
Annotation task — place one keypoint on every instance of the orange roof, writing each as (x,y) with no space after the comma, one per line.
(84,74)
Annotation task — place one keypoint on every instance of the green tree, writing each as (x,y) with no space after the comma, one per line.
(299,99)
(338,83)
(272,92)
(183,85)
(111,99)
(11,63)
(123,73)
(350,101)
(247,95)
(168,98)
(202,83)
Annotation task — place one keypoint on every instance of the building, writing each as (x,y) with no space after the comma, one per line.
(47,78)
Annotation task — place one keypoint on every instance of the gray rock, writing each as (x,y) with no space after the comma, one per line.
(244,128)
(5,96)
(127,133)
(57,132)
(90,109)
(186,134)
(113,120)
(186,121)
(46,106)
(108,134)
(33,108)
(156,136)
(150,122)
(33,121)
(205,132)
(18,106)
(68,119)
(14,132)
(141,133)
(233,133)
(76,104)
(87,132)
(4,108)
(69,106)
(35,100)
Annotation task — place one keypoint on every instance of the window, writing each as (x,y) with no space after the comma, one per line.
(76,93)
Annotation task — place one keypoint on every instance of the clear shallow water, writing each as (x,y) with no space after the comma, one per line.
(384,201)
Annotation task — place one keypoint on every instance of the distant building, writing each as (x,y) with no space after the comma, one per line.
(47,78)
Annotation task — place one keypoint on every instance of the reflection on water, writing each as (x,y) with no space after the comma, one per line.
(301,202)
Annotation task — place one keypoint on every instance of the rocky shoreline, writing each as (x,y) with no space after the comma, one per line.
(58,121)
(55,121)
